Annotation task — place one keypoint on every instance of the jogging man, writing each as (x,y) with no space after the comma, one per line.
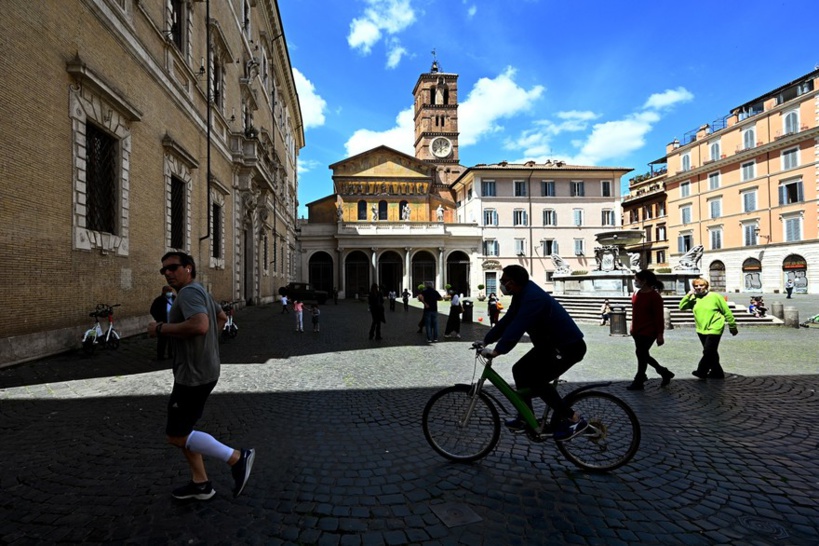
(195,321)
(557,344)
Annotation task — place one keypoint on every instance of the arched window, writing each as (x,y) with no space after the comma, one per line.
(715,153)
(382,210)
(362,210)
(749,139)
(791,122)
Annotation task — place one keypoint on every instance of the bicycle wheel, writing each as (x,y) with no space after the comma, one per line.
(113,341)
(455,435)
(610,440)
(232,331)
(88,345)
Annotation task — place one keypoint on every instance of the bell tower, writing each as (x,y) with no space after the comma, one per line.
(436,117)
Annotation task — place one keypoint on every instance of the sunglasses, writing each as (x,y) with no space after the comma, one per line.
(171,268)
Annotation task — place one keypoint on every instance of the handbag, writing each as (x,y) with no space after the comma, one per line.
(499,305)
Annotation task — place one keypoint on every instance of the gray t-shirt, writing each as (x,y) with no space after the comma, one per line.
(196,359)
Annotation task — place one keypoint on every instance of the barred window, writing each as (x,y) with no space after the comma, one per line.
(178,195)
(101,179)
(216,238)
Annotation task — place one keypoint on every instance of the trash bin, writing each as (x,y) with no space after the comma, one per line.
(617,322)
(468,306)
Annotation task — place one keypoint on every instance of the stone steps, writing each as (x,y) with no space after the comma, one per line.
(587,309)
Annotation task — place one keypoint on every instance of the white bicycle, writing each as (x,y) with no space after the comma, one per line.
(95,336)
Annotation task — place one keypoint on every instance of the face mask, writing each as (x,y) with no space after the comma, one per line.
(637,284)
(503,290)
(168,294)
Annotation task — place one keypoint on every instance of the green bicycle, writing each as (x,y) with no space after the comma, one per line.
(462,422)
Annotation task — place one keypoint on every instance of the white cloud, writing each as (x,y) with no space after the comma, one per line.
(395,52)
(613,140)
(490,101)
(381,16)
(536,142)
(668,98)
(307,165)
(312,105)
(470,10)
(399,137)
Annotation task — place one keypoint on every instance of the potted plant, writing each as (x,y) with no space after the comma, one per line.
(481,295)
(447,288)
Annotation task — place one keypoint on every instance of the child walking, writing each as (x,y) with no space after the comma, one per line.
(314,310)
(298,309)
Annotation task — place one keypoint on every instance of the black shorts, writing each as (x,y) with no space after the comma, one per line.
(185,407)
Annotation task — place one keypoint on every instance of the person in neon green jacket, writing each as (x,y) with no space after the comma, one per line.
(711,313)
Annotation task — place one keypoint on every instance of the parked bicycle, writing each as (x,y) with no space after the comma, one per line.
(94,336)
(231,330)
(462,422)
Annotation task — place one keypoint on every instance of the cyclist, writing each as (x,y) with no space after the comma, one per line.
(557,345)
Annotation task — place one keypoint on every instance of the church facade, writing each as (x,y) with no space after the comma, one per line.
(400,221)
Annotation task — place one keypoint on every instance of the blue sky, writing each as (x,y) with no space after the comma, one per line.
(591,82)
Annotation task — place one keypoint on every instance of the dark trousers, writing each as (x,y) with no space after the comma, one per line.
(542,365)
(431,324)
(392,305)
(375,328)
(406,305)
(642,344)
(163,348)
(789,291)
(709,363)
(453,323)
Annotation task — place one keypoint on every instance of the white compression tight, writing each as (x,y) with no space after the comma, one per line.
(205,444)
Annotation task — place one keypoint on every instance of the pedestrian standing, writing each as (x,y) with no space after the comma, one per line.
(492,309)
(453,323)
(160,311)
(315,313)
(789,287)
(298,309)
(711,313)
(376,302)
(430,298)
(194,325)
(392,297)
(284,304)
(405,297)
(647,326)
(335,295)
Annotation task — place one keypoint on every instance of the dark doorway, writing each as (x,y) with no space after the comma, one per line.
(357,275)
(423,270)
(457,272)
(320,274)
(390,271)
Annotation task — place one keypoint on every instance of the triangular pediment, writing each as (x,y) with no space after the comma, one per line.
(383,162)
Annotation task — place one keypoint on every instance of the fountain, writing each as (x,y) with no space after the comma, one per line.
(614,268)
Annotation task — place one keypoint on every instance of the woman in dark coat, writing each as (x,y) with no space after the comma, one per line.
(376,302)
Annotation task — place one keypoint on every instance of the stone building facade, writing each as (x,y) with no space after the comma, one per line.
(398,220)
(744,187)
(162,125)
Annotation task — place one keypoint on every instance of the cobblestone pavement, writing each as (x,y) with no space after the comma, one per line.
(341,457)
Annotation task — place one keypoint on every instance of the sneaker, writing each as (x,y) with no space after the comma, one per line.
(457,336)
(516,425)
(635,386)
(447,336)
(667,376)
(241,470)
(198,491)
(568,430)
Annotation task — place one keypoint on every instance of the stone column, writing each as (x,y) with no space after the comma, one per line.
(408,269)
(439,277)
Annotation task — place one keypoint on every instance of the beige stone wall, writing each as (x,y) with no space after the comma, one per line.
(129,81)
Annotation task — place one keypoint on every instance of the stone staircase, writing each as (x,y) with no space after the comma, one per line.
(587,309)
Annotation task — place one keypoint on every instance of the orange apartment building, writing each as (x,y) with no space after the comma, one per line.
(644,209)
(745,188)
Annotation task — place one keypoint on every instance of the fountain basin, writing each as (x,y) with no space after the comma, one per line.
(620,237)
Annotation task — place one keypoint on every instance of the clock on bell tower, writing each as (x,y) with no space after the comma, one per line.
(436,117)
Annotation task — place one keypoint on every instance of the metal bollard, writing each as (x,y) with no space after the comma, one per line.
(617,322)
(777,310)
(791,317)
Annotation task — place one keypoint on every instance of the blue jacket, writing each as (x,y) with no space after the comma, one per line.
(538,314)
